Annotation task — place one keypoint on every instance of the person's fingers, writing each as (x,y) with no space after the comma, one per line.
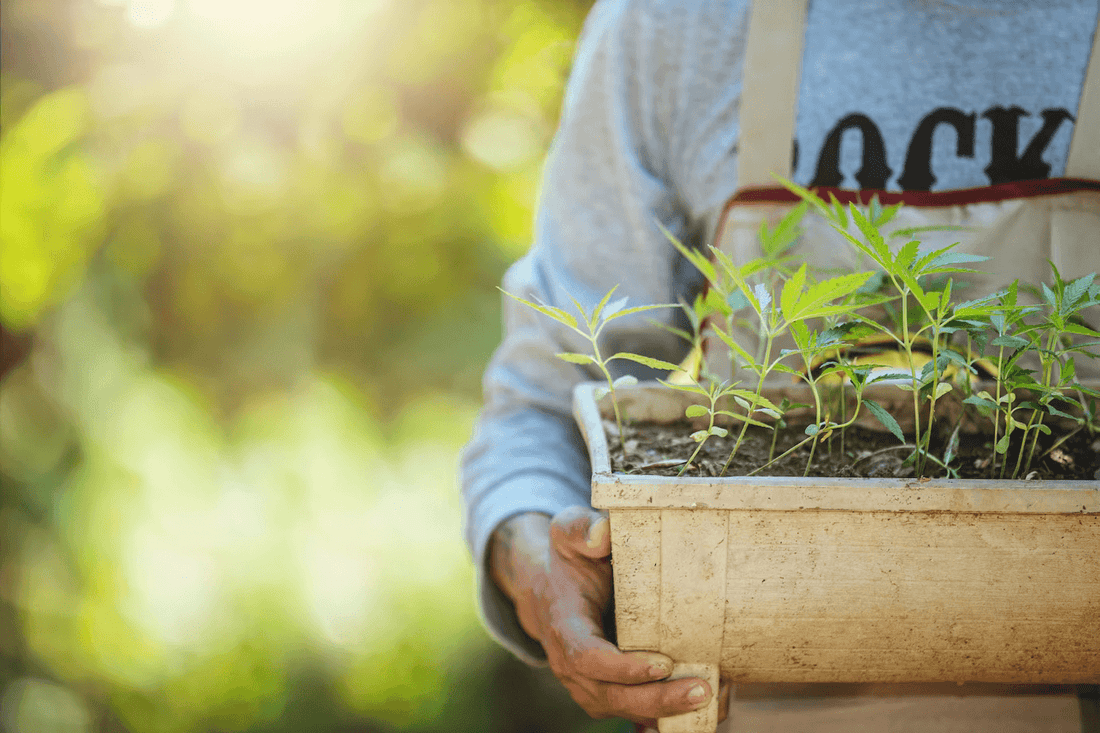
(581,531)
(586,654)
(649,702)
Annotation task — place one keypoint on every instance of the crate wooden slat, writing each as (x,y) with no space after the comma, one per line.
(851,580)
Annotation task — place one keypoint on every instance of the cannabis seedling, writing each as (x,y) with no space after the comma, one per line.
(594,323)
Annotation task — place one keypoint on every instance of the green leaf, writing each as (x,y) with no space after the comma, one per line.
(734,347)
(942,388)
(755,399)
(885,418)
(695,411)
(692,387)
(980,402)
(1081,330)
(556,313)
(812,429)
(695,257)
(636,309)
(742,418)
(1058,413)
(791,290)
(1075,291)
(906,255)
(576,358)
(646,360)
(720,432)
(946,261)
(1048,296)
(1002,445)
(1009,342)
(876,245)
(700,435)
(602,303)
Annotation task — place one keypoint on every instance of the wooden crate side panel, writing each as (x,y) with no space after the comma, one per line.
(889,597)
(693,584)
(635,547)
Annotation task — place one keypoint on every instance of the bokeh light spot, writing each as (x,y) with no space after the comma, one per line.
(501,141)
(31,705)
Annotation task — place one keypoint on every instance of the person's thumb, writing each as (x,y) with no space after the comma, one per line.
(583,531)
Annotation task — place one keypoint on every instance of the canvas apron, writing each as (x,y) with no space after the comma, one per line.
(1020,226)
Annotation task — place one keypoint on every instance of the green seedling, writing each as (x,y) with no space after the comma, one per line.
(604,312)
(925,314)
(713,392)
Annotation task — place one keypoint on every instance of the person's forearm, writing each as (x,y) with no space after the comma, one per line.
(517,545)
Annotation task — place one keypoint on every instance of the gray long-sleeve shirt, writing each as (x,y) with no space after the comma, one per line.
(894,94)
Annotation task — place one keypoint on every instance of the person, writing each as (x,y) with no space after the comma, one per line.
(910,96)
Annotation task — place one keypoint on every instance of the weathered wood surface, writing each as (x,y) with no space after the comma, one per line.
(864,580)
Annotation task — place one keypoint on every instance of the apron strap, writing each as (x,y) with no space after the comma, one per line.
(1084,148)
(769,90)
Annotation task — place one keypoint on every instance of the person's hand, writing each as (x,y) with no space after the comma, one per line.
(558,574)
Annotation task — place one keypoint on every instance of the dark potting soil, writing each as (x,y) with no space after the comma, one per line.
(861,453)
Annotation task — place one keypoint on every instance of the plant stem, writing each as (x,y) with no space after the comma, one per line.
(710,425)
(759,388)
(611,391)
(997,411)
(907,342)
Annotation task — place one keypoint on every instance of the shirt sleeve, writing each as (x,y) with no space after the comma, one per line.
(607,183)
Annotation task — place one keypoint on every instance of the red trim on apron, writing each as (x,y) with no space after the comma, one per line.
(957,197)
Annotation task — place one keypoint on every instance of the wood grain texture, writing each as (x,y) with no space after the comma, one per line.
(693,583)
(860,597)
(635,545)
(792,580)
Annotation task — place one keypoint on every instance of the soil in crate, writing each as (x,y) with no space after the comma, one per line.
(660,449)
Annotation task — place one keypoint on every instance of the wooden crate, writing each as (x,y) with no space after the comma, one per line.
(848,580)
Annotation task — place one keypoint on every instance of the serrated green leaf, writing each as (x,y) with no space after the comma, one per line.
(742,418)
(906,255)
(792,289)
(636,309)
(1048,296)
(885,418)
(976,400)
(600,306)
(757,400)
(547,310)
(1075,291)
(695,257)
(945,261)
(1058,413)
(734,346)
(646,360)
(1080,330)
(1009,342)
(573,358)
(614,307)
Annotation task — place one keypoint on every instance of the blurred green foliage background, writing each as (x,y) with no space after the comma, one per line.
(247,288)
